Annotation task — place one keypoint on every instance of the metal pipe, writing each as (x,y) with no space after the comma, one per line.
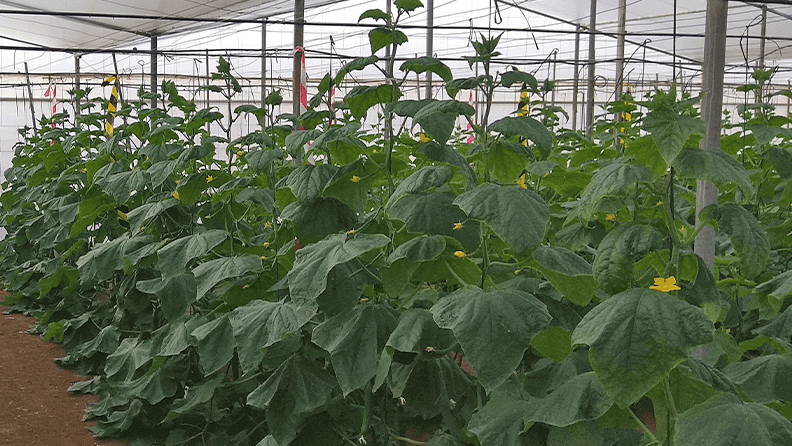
(154,70)
(77,85)
(299,32)
(764,38)
(263,60)
(620,52)
(30,95)
(576,78)
(711,109)
(591,74)
(429,43)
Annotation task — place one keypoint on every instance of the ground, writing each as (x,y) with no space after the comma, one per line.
(35,407)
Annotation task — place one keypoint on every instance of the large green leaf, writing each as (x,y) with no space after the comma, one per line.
(173,257)
(724,419)
(580,399)
(513,77)
(781,325)
(421,180)
(215,344)
(315,221)
(610,180)
(122,185)
(636,337)
(748,237)
(417,330)
(142,215)
(419,249)
(308,182)
(300,386)
(671,130)
(354,340)
(175,293)
(493,327)
(363,97)
(308,278)
(435,213)
(764,379)
(517,215)
(438,118)
(428,64)
(196,397)
(617,253)
(211,273)
(445,154)
(569,273)
(261,159)
(714,166)
(260,324)
(500,421)
(526,127)
(381,37)
(357,64)
(104,258)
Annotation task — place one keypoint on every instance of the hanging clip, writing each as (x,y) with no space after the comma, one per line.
(498,16)
(472,35)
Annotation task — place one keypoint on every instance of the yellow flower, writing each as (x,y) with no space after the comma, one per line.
(84,170)
(209,178)
(664,285)
(178,182)
(355,179)
(516,272)
(523,94)
(351,232)
(122,216)
(523,111)
(176,195)
(239,153)
(460,254)
(621,141)
(610,217)
(521,182)
(268,225)
(525,143)
(728,330)
(457,226)
(627,117)
(266,244)
(621,129)
(423,138)
(659,203)
(374,151)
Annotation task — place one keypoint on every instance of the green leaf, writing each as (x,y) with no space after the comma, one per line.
(121,185)
(312,264)
(610,180)
(438,118)
(764,379)
(444,154)
(617,253)
(417,331)
(215,344)
(315,221)
(261,159)
(260,324)
(748,237)
(554,343)
(196,397)
(454,86)
(435,214)
(297,386)
(569,273)
(493,327)
(724,419)
(518,216)
(309,181)
(173,257)
(637,337)
(381,37)
(419,249)
(408,5)
(296,141)
(580,399)
(211,273)
(500,421)
(354,340)
(646,153)
(510,78)
(376,14)
(142,215)
(781,325)
(176,293)
(428,64)
(422,180)
(363,97)
(714,166)
(105,258)
(579,434)
(671,130)
(526,127)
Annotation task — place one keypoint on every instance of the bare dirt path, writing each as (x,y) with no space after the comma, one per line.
(35,406)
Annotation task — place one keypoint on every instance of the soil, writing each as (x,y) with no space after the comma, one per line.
(35,407)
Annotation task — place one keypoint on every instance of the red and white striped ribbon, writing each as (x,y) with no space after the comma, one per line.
(52,91)
(470,138)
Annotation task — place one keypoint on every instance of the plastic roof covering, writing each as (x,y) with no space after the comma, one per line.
(657,16)
(81,32)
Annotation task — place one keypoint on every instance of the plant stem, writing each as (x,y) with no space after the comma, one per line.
(367,408)
(409,440)
(643,427)
(453,273)
(672,408)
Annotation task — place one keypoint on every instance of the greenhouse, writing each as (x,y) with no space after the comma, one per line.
(405,222)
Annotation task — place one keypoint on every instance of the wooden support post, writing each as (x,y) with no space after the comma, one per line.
(263,60)
(620,52)
(77,85)
(763,39)
(591,62)
(711,111)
